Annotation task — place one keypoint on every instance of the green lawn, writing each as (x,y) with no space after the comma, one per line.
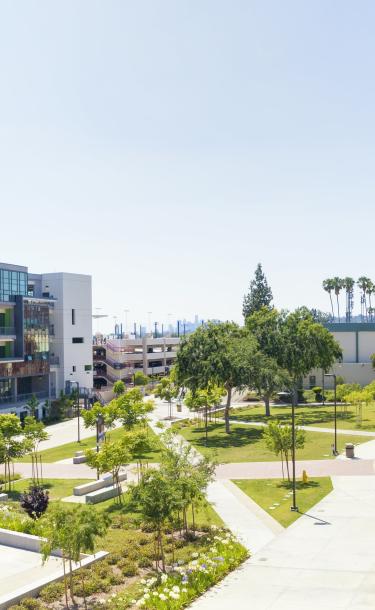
(271,495)
(58,488)
(245,443)
(68,450)
(347,416)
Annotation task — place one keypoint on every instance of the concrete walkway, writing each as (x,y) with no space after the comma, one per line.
(307,428)
(315,468)
(324,560)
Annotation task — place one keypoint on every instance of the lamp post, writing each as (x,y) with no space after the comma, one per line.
(335,452)
(78,413)
(294,507)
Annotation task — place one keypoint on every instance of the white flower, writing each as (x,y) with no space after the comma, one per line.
(164,578)
(174,595)
(146,596)
(195,555)
(162,597)
(194,563)
(143,581)
(176,589)
(184,590)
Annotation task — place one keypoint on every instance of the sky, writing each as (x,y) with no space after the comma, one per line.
(167,146)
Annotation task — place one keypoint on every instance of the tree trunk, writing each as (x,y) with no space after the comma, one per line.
(287,464)
(65,583)
(227,408)
(267,404)
(206,426)
(83,585)
(333,313)
(71,584)
(160,535)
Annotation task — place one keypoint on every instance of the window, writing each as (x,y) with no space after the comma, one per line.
(88,367)
(73,316)
(74,368)
(312,381)
(77,340)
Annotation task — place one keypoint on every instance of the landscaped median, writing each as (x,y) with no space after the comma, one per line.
(246,443)
(275,496)
(68,450)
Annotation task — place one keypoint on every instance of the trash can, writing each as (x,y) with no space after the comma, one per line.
(349,450)
(179,407)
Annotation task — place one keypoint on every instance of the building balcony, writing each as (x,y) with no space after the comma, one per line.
(7,332)
(9,401)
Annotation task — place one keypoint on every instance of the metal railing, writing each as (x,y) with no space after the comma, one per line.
(7,330)
(22,398)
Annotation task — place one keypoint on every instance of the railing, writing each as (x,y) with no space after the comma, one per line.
(23,398)
(7,330)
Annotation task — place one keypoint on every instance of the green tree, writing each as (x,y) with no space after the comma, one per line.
(107,413)
(157,499)
(140,379)
(111,458)
(219,354)
(189,476)
(329,286)
(132,409)
(12,446)
(140,443)
(72,530)
(338,284)
(205,400)
(348,284)
(279,440)
(305,345)
(32,405)
(363,283)
(34,433)
(259,295)
(167,390)
(267,378)
(119,387)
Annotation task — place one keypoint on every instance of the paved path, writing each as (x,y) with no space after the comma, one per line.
(325,560)
(307,428)
(316,468)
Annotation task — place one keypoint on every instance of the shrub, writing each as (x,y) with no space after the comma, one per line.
(144,562)
(35,501)
(128,568)
(180,587)
(52,592)
(14,477)
(28,603)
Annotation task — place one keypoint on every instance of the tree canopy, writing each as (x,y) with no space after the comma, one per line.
(259,295)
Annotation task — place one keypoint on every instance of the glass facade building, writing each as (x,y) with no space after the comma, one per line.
(12,283)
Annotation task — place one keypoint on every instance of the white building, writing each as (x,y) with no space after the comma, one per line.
(45,336)
(357,341)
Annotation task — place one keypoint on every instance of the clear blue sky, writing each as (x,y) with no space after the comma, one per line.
(167,146)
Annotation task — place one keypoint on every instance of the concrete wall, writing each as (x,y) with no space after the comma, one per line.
(72,291)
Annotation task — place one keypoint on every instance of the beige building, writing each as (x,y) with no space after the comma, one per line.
(119,359)
(357,341)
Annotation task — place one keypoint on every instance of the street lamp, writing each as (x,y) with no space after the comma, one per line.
(335,452)
(294,507)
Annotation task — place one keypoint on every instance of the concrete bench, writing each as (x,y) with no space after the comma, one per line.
(103,494)
(3,497)
(105,481)
(79,457)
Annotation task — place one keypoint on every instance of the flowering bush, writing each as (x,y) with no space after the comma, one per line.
(186,581)
(17,522)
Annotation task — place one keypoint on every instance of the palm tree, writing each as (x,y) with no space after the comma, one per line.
(328,286)
(363,282)
(337,285)
(370,290)
(348,284)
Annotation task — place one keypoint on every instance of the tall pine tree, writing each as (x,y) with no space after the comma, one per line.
(259,295)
